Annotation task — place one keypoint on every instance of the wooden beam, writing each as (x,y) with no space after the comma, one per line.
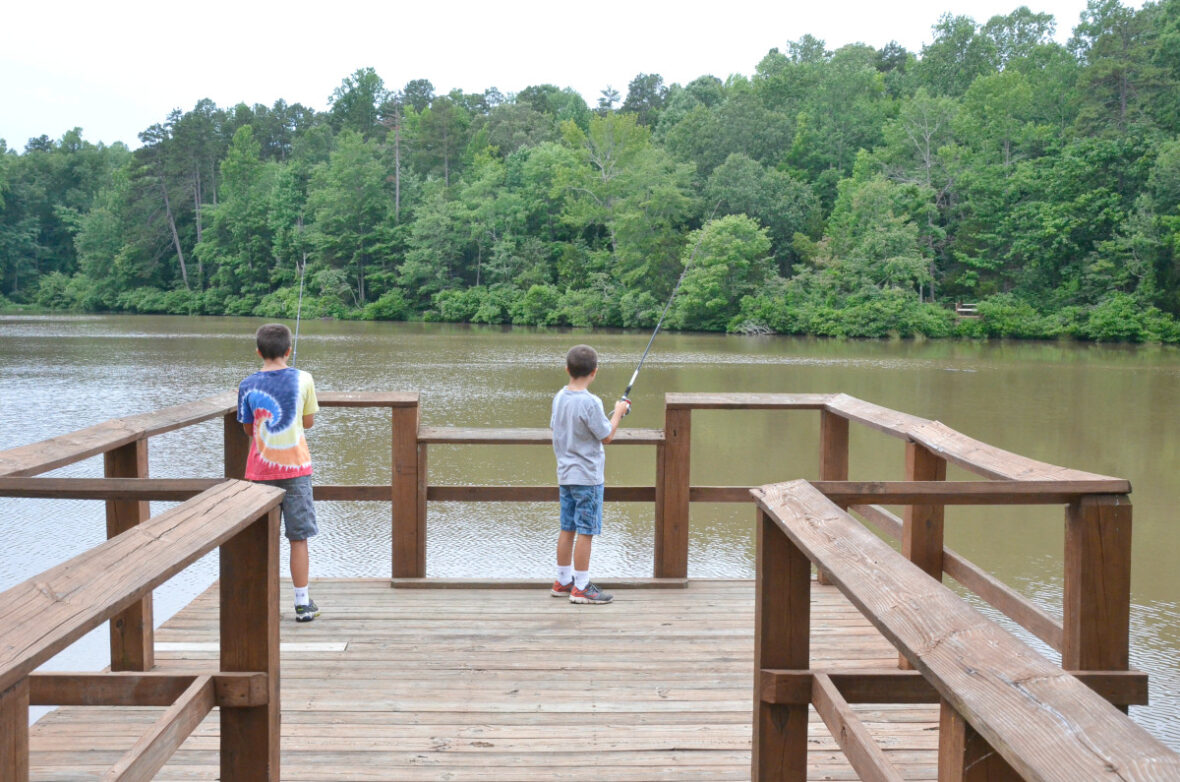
(14,732)
(1097,601)
(943,492)
(695,401)
(60,688)
(1122,688)
(368,398)
(58,606)
(532,493)
(922,524)
(151,752)
(971,454)
(782,637)
(409,472)
(57,452)
(991,590)
(131,630)
(671,547)
(249,641)
(863,754)
(833,458)
(235,446)
(354,493)
(965,756)
(452,435)
(1044,722)
(121,489)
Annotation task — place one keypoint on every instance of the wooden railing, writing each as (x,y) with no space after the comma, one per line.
(1092,635)
(53,609)
(1006,712)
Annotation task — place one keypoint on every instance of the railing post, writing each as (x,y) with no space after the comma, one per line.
(964,755)
(833,456)
(131,630)
(1097,604)
(922,525)
(14,732)
(249,597)
(236,446)
(782,636)
(921,540)
(671,547)
(409,494)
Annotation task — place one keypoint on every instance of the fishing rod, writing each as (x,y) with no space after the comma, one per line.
(626,394)
(298,310)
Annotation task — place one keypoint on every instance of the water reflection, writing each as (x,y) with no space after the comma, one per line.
(1102,409)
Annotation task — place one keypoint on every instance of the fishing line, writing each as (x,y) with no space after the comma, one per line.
(660,322)
(298,311)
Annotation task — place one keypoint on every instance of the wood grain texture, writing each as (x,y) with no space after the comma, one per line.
(409,471)
(464,684)
(130,630)
(866,758)
(671,548)
(55,608)
(782,639)
(1044,722)
(149,754)
(14,732)
(249,639)
(153,688)
(1097,601)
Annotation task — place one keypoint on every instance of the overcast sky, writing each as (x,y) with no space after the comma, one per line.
(115,68)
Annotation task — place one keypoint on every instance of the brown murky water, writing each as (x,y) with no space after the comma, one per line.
(1109,410)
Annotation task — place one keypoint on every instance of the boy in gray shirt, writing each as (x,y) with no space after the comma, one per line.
(580,429)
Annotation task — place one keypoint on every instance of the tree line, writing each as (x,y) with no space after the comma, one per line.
(856,192)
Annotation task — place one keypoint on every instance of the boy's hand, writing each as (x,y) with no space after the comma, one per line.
(622,407)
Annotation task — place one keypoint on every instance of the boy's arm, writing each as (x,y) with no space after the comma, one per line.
(309,421)
(621,408)
(248,429)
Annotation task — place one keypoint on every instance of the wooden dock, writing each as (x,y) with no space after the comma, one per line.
(507,684)
(439,680)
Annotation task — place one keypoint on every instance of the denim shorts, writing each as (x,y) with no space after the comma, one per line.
(298,510)
(581,509)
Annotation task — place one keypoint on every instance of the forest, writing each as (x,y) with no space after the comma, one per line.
(854,192)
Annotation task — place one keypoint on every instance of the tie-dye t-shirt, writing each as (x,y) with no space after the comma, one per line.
(275,403)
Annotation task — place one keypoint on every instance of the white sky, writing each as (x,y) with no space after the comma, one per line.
(115,68)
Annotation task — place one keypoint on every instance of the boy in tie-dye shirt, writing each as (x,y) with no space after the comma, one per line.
(275,406)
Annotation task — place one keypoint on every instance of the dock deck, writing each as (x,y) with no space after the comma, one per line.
(507,684)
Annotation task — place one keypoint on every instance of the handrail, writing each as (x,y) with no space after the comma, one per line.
(1093,635)
(57,607)
(1045,723)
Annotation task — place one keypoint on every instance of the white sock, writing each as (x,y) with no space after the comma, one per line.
(301,598)
(565,574)
(581,578)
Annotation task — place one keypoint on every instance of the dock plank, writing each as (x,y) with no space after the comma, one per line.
(510,684)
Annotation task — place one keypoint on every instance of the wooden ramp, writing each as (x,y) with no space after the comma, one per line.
(508,684)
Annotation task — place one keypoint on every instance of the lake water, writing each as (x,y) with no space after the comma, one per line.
(1103,409)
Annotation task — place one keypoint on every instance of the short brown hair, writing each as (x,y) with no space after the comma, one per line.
(581,360)
(274,340)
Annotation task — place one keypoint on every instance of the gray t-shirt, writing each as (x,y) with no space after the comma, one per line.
(579,426)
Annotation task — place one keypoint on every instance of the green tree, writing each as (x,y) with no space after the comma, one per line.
(645,98)
(732,261)
(356,103)
(351,213)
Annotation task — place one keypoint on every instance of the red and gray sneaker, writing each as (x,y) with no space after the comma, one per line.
(591,595)
(561,590)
